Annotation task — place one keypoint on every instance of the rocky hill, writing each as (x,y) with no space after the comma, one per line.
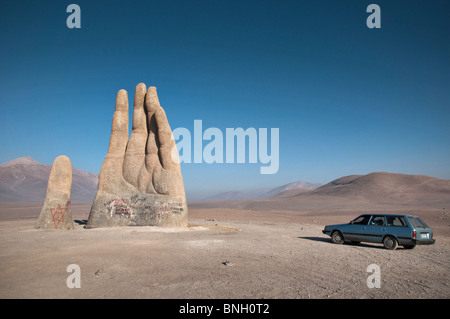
(25,180)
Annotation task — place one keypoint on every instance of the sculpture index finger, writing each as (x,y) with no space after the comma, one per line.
(119,128)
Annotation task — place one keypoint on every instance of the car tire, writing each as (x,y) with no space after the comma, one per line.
(409,246)
(389,242)
(337,238)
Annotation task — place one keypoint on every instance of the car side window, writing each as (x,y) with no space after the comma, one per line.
(377,221)
(361,220)
(395,221)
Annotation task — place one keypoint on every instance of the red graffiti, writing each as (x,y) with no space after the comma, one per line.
(58,214)
(120,202)
(121,206)
(160,215)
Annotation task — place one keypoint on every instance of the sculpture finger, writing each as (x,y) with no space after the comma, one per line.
(138,138)
(151,101)
(135,151)
(145,180)
(167,148)
(119,128)
(151,105)
(151,158)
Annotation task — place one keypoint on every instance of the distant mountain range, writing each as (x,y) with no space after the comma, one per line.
(265,192)
(382,187)
(378,190)
(25,180)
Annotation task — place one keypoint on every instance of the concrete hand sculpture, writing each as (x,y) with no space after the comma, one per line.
(56,212)
(140,181)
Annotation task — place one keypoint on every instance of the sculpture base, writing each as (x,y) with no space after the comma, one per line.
(137,210)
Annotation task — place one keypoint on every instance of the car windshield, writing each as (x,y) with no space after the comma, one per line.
(417,222)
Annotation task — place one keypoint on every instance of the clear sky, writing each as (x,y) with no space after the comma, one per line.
(346,99)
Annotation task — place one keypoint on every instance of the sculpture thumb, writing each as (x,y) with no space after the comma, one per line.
(56,211)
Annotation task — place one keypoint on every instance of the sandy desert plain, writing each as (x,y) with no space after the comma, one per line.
(270,248)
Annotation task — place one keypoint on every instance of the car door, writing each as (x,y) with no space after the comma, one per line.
(356,229)
(376,229)
(397,226)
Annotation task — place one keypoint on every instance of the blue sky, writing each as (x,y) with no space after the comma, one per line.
(347,99)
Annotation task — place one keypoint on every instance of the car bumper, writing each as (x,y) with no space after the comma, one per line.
(326,232)
(425,242)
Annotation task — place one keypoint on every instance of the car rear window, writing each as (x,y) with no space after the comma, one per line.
(417,222)
(395,221)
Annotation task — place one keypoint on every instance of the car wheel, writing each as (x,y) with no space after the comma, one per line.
(337,238)
(390,243)
(409,246)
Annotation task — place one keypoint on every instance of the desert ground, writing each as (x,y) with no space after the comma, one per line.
(224,253)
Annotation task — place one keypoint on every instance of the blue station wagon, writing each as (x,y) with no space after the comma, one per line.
(389,230)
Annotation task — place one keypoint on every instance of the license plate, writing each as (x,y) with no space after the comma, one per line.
(424,236)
